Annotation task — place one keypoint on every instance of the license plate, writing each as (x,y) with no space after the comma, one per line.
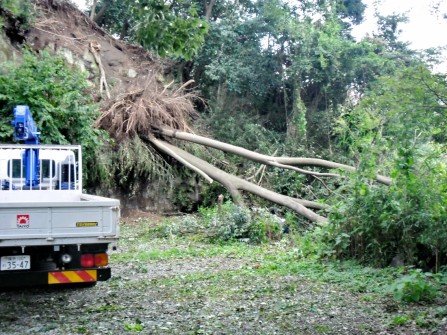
(22,262)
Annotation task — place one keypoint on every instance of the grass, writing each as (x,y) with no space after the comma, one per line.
(274,279)
(180,249)
(276,259)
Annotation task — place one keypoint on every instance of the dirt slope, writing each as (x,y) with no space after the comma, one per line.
(61,27)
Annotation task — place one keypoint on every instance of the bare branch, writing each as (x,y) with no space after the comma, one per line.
(283,162)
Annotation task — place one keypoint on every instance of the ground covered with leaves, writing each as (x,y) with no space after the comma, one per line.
(164,283)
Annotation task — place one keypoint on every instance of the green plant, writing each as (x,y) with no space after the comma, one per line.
(226,222)
(314,243)
(414,287)
(171,34)
(20,9)
(400,320)
(82,329)
(134,327)
(265,227)
(391,131)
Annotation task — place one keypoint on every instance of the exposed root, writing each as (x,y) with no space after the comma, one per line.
(148,105)
(95,48)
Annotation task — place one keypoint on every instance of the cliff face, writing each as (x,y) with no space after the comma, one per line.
(112,67)
(7,51)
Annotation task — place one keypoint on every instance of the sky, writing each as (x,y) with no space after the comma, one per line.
(424,29)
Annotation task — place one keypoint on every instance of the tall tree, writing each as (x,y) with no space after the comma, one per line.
(169,28)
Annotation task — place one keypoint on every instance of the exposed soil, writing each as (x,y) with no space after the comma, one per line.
(60,26)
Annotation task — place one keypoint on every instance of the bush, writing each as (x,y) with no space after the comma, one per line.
(414,287)
(408,218)
(226,223)
(229,223)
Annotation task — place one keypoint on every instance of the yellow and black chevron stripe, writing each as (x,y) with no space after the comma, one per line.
(76,276)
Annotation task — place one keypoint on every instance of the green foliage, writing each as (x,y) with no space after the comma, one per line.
(168,33)
(293,73)
(226,223)
(242,130)
(174,30)
(133,161)
(401,110)
(406,218)
(313,244)
(397,128)
(59,99)
(229,222)
(400,320)
(19,9)
(414,287)
(134,327)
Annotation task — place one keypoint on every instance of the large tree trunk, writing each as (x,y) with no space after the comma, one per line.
(235,184)
(93,10)
(209,9)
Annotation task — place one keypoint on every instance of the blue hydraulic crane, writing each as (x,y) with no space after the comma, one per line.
(25,129)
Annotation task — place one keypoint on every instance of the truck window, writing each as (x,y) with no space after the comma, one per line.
(45,165)
(47,168)
(68,173)
(15,165)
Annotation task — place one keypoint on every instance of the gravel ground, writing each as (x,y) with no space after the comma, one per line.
(197,295)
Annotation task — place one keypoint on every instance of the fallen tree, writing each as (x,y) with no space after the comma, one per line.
(235,184)
(153,112)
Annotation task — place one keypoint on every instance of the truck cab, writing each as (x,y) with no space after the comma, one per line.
(57,168)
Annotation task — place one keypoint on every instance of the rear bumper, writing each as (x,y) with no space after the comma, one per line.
(40,278)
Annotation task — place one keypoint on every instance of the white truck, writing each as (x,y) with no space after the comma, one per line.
(50,232)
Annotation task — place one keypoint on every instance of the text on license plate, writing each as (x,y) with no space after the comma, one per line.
(21,262)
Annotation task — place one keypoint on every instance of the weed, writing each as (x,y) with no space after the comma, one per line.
(105,308)
(414,287)
(322,329)
(134,327)
(82,329)
(400,320)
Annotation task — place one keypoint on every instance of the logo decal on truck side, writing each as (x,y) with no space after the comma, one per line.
(22,220)
(86,224)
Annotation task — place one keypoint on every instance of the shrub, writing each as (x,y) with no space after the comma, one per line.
(414,287)
(375,223)
(229,223)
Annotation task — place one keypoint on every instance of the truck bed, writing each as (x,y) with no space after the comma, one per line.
(56,218)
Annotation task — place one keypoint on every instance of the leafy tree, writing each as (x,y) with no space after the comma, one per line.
(283,67)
